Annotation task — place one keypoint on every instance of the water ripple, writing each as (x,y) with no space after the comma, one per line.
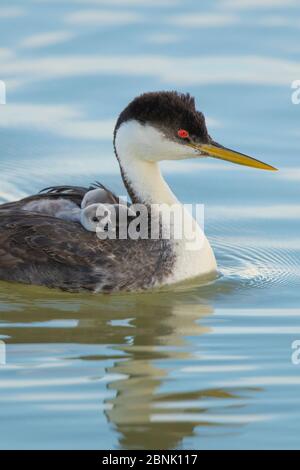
(255,266)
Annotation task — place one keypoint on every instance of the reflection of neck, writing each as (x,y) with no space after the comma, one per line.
(141,375)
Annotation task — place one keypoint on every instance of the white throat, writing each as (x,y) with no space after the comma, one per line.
(139,149)
(147,182)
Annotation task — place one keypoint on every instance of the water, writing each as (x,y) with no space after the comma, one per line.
(200,367)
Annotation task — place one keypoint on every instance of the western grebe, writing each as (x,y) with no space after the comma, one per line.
(39,249)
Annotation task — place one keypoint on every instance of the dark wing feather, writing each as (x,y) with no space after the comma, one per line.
(37,249)
(79,190)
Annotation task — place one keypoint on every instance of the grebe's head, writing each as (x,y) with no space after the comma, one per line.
(105,217)
(98,195)
(166,126)
(95,217)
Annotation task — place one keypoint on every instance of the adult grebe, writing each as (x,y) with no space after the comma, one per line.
(43,250)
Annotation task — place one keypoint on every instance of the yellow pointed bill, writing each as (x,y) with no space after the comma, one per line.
(217,151)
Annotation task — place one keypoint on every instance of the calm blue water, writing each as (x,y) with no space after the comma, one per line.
(201,367)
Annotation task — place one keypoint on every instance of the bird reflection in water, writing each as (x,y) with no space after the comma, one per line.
(153,404)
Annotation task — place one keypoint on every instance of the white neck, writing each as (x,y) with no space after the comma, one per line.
(139,149)
(142,173)
(147,182)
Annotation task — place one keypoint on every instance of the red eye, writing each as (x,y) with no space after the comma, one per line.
(183,134)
